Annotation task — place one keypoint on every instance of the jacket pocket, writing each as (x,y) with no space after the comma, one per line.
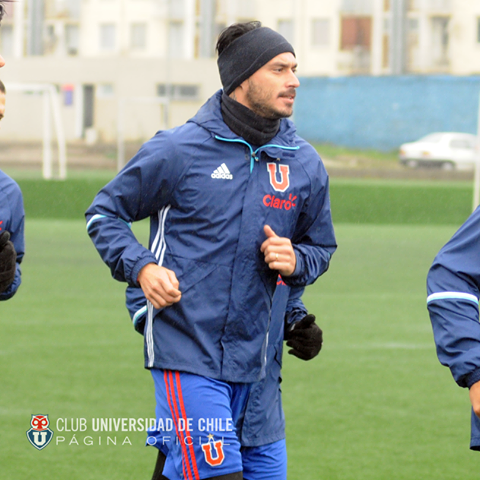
(190,272)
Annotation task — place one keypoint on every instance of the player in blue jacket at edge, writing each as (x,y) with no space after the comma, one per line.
(12,218)
(453,286)
(235,198)
(12,242)
(263,427)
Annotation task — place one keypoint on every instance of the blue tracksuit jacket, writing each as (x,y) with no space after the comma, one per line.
(453,286)
(264,421)
(12,218)
(208,194)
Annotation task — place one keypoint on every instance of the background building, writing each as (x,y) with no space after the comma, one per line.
(149,64)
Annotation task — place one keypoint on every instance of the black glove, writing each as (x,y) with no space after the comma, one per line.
(8,257)
(305,338)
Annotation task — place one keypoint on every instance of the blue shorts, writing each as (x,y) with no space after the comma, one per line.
(268,462)
(197,420)
(197,423)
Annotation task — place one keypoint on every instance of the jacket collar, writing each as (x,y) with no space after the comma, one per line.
(210,117)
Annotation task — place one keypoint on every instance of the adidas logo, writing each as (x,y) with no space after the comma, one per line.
(222,172)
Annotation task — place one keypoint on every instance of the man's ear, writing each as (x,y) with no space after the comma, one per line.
(239,93)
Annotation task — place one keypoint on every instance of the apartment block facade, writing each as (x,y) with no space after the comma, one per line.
(148,64)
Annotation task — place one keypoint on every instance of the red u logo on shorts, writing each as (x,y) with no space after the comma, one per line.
(283,184)
(219,455)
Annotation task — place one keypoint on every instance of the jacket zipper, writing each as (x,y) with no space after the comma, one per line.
(254,153)
(254,158)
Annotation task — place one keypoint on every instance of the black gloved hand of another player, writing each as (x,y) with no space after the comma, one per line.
(8,257)
(305,339)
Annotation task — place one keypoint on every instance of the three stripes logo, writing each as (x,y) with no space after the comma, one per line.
(222,172)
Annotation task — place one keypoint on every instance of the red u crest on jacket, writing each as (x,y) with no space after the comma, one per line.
(284,176)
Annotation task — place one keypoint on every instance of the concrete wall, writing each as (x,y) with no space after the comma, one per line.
(383,112)
(132,77)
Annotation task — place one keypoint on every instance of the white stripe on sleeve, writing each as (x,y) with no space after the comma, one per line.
(452,296)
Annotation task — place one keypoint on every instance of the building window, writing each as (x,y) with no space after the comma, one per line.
(356,32)
(50,40)
(6,34)
(286,29)
(413,41)
(175,40)
(105,90)
(478,29)
(321,32)
(72,39)
(138,36)
(177,8)
(179,92)
(108,34)
(440,41)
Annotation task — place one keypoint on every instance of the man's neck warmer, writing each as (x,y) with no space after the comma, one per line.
(253,128)
(247,53)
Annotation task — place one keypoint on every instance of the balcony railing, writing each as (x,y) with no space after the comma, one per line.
(63,9)
(430,5)
(357,7)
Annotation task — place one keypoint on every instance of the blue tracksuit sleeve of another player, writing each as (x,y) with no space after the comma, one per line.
(12,219)
(453,286)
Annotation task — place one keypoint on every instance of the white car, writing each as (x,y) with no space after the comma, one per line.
(447,150)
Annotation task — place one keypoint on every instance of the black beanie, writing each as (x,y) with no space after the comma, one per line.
(247,53)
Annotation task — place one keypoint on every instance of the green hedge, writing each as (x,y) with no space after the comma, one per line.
(400,203)
(353,201)
(58,199)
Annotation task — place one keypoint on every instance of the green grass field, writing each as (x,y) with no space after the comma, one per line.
(375,404)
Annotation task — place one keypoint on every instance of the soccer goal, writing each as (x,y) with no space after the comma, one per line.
(51,118)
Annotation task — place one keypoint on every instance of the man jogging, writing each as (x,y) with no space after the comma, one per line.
(235,198)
